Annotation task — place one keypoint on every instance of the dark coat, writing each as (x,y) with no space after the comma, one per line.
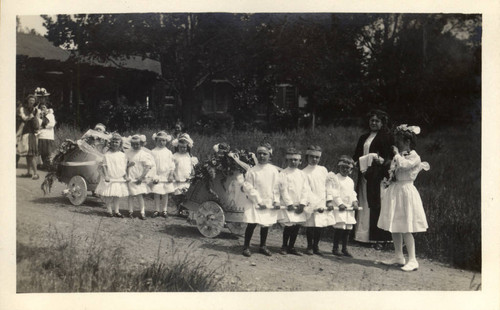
(381,145)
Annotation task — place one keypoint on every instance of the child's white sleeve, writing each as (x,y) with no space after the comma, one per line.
(52,121)
(249,189)
(335,189)
(354,195)
(407,162)
(276,188)
(285,195)
(306,191)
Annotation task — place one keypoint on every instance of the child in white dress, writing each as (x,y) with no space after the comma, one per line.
(401,211)
(184,167)
(112,184)
(345,202)
(321,200)
(163,175)
(295,191)
(140,163)
(184,163)
(262,187)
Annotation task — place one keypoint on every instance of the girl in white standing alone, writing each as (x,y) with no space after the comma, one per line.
(321,200)
(140,163)
(112,184)
(295,192)
(164,167)
(401,211)
(262,187)
(345,199)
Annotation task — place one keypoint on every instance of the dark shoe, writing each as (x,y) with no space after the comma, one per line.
(164,214)
(155,214)
(346,253)
(293,251)
(283,251)
(309,252)
(246,252)
(142,217)
(336,252)
(26,175)
(119,215)
(265,251)
(109,214)
(317,252)
(35,177)
(378,246)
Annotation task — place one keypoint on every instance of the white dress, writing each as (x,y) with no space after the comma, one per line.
(362,233)
(116,165)
(401,206)
(294,190)
(321,192)
(262,187)
(184,165)
(346,195)
(164,166)
(142,159)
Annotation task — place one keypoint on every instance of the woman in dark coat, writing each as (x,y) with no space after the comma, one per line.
(378,143)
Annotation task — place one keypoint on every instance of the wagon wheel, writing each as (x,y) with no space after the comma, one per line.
(77,190)
(210,219)
(237,228)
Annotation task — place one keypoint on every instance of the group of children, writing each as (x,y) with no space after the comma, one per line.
(312,197)
(139,171)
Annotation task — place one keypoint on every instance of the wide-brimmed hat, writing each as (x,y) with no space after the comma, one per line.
(41,92)
(184,138)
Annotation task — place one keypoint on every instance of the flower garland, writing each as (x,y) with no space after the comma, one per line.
(223,163)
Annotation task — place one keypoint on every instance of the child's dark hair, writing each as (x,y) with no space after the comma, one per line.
(176,148)
(407,136)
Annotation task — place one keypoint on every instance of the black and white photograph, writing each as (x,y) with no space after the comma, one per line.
(320,157)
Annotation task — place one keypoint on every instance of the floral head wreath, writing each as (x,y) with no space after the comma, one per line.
(116,136)
(222,147)
(140,138)
(345,160)
(404,128)
(163,135)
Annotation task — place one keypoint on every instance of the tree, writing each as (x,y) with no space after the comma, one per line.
(418,66)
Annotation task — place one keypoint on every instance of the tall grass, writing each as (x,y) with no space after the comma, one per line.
(450,191)
(87,264)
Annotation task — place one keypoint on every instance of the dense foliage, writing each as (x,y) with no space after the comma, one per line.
(423,66)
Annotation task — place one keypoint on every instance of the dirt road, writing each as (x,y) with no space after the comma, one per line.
(144,240)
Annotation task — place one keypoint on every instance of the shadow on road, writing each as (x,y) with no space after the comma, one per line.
(64,202)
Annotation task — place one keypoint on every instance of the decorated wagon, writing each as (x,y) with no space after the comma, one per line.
(77,165)
(215,199)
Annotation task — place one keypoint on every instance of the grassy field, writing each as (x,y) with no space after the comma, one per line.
(451,190)
(70,264)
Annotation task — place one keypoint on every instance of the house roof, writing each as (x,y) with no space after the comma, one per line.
(131,62)
(36,46)
(213,79)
